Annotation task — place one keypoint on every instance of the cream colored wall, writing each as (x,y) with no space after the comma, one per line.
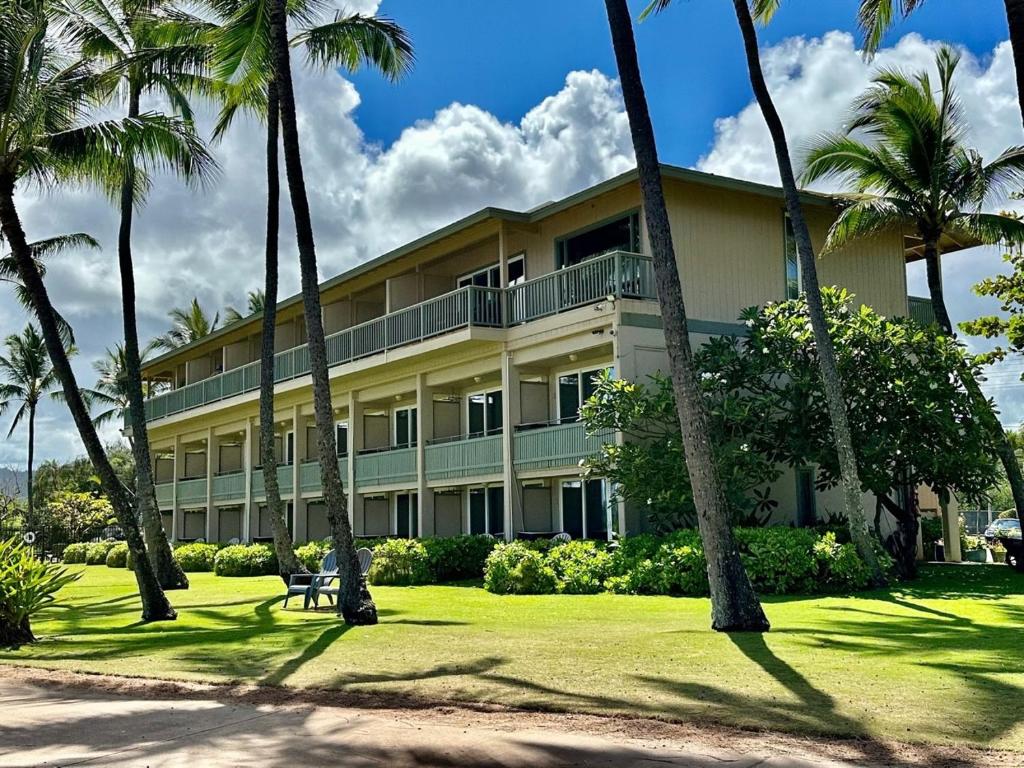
(447,514)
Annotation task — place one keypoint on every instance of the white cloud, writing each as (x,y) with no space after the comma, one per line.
(365,199)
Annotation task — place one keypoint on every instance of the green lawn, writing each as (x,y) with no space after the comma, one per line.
(941,660)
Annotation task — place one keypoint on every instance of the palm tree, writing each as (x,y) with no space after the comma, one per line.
(876,16)
(916,173)
(27,377)
(110,392)
(346,41)
(734,604)
(255,303)
(149,48)
(831,382)
(187,325)
(48,140)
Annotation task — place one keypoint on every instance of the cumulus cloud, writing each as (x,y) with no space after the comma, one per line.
(365,200)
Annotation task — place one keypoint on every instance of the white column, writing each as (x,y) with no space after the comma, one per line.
(950,532)
(511,415)
(175,512)
(355,444)
(298,503)
(425,430)
(247,465)
(212,467)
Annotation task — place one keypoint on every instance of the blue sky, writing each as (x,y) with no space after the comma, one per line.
(507,56)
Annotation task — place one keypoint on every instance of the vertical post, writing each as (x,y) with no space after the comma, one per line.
(212,467)
(425,431)
(298,504)
(247,465)
(950,531)
(511,399)
(175,512)
(355,444)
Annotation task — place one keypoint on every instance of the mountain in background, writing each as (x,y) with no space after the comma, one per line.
(13,481)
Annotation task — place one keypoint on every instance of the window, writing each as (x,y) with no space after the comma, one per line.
(483,415)
(622,234)
(487,510)
(586,513)
(806,511)
(488,277)
(405,427)
(574,389)
(793,272)
(517,269)
(341,437)
(407,515)
(284,449)
(264,531)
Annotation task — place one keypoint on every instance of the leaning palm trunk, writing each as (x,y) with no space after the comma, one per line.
(287,562)
(1015,19)
(168,572)
(982,407)
(30,517)
(354,601)
(734,604)
(831,383)
(155,606)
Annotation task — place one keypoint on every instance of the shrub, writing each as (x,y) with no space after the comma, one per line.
(75,553)
(26,585)
(515,568)
(117,557)
(197,557)
(246,560)
(457,557)
(580,567)
(671,565)
(779,560)
(96,552)
(401,562)
(312,553)
(840,567)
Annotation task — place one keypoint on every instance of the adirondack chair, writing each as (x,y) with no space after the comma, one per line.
(323,587)
(306,584)
(561,537)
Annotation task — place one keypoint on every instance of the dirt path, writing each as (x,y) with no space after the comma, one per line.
(56,718)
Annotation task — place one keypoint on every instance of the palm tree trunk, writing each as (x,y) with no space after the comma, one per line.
(734,604)
(354,601)
(287,562)
(168,572)
(30,516)
(1015,19)
(982,407)
(830,379)
(155,606)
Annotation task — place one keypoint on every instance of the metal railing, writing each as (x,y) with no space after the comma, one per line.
(285,482)
(619,274)
(228,486)
(468,457)
(920,310)
(397,465)
(557,445)
(192,491)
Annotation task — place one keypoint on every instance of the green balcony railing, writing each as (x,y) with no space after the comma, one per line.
(228,486)
(192,491)
(920,310)
(309,475)
(619,274)
(284,481)
(389,467)
(164,495)
(472,457)
(556,445)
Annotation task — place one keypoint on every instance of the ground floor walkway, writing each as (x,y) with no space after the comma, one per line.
(63,720)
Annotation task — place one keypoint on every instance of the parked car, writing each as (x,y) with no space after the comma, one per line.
(1003,528)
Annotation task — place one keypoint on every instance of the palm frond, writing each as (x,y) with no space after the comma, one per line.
(356,40)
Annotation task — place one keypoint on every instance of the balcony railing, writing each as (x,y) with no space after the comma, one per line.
(284,481)
(164,494)
(386,467)
(471,457)
(192,491)
(228,486)
(556,445)
(309,475)
(920,310)
(621,275)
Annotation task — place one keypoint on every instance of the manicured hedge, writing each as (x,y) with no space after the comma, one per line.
(96,552)
(117,557)
(196,557)
(246,560)
(75,553)
(401,562)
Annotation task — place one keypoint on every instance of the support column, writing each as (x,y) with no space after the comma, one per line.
(625,368)
(511,399)
(950,533)
(298,503)
(212,468)
(247,465)
(355,444)
(425,430)
(175,511)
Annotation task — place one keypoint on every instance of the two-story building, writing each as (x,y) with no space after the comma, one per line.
(458,363)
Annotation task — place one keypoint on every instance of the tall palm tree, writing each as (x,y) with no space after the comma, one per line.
(916,173)
(831,382)
(255,303)
(346,41)
(47,139)
(187,325)
(26,377)
(734,604)
(110,392)
(149,48)
(876,16)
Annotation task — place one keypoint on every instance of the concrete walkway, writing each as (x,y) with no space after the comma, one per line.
(53,726)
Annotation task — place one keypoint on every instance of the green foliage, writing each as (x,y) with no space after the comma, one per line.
(117,557)
(78,475)
(246,560)
(80,515)
(516,569)
(26,585)
(931,530)
(196,557)
(456,558)
(669,565)
(779,560)
(97,551)
(580,566)
(401,562)
(312,553)
(1006,514)
(840,566)
(75,553)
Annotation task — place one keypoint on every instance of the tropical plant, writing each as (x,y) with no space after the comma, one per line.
(188,324)
(914,171)
(876,16)
(255,302)
(27,584)
(734,604)
(78,515)
(47,138)
(26,377)
(110,392)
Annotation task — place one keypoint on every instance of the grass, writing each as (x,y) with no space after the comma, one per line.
(938,661)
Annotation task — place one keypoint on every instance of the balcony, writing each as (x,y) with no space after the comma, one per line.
(164,495)
(552,446)
(623,275)
(463,457)
(920,310)
(192,491)
(388,467)
(285,483)
(309,475)
(228,486)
